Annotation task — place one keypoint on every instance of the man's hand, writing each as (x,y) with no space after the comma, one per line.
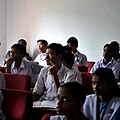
(8,64)
(53,72)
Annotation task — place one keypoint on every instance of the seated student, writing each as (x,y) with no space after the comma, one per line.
(70,99)
(107,61)
(41,57)
(53,75)
(18,65)
(68,61)
(79,57)
(9,53)
(116,55)
(115,48)
(2,85)
(105,103)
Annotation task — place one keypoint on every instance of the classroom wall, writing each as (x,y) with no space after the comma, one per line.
(93,22)
(3,29)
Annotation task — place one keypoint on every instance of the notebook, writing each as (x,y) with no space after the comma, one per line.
(47,104)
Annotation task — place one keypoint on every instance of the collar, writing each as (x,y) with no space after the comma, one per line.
(61,69)
(110,62)
(21,66)
(76,53)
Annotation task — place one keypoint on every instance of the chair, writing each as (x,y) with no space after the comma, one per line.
(17,81)
(87,81)
(82,68)
(90,65)
(17,104)
(2,69)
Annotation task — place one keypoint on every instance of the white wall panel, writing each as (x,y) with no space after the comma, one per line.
(93,22)
(3,29)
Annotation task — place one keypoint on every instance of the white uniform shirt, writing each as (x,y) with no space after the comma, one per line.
(77,74)
(27,67)
(118,60)
(41,59)
(90,108)
(45,82)
(80,59)
(115,66)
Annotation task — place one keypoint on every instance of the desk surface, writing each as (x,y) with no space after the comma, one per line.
(44,109)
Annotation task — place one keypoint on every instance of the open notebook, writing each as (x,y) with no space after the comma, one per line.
(47,104)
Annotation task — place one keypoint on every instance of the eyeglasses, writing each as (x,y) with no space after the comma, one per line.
(64,99)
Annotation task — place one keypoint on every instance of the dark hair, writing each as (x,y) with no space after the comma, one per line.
(68,57)
(109,46)
(43,42)
(115,46)
(77,91)
(107,75)
(20,48)
(73,40)
(22,42)
(67,48)
(58,48)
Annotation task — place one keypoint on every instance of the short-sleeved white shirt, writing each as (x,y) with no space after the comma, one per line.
(45,82)
(27,67)
(41,59)
(80,59)
(77,74)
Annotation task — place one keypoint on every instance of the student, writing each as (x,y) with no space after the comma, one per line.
(107,62)
(70,99)
(41,57)
(105,103)
(18,65)
(9,54)
(2,85)
(24,43)
(116,55)
(68,61)
(115,49)
(53,75)
(79,57)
